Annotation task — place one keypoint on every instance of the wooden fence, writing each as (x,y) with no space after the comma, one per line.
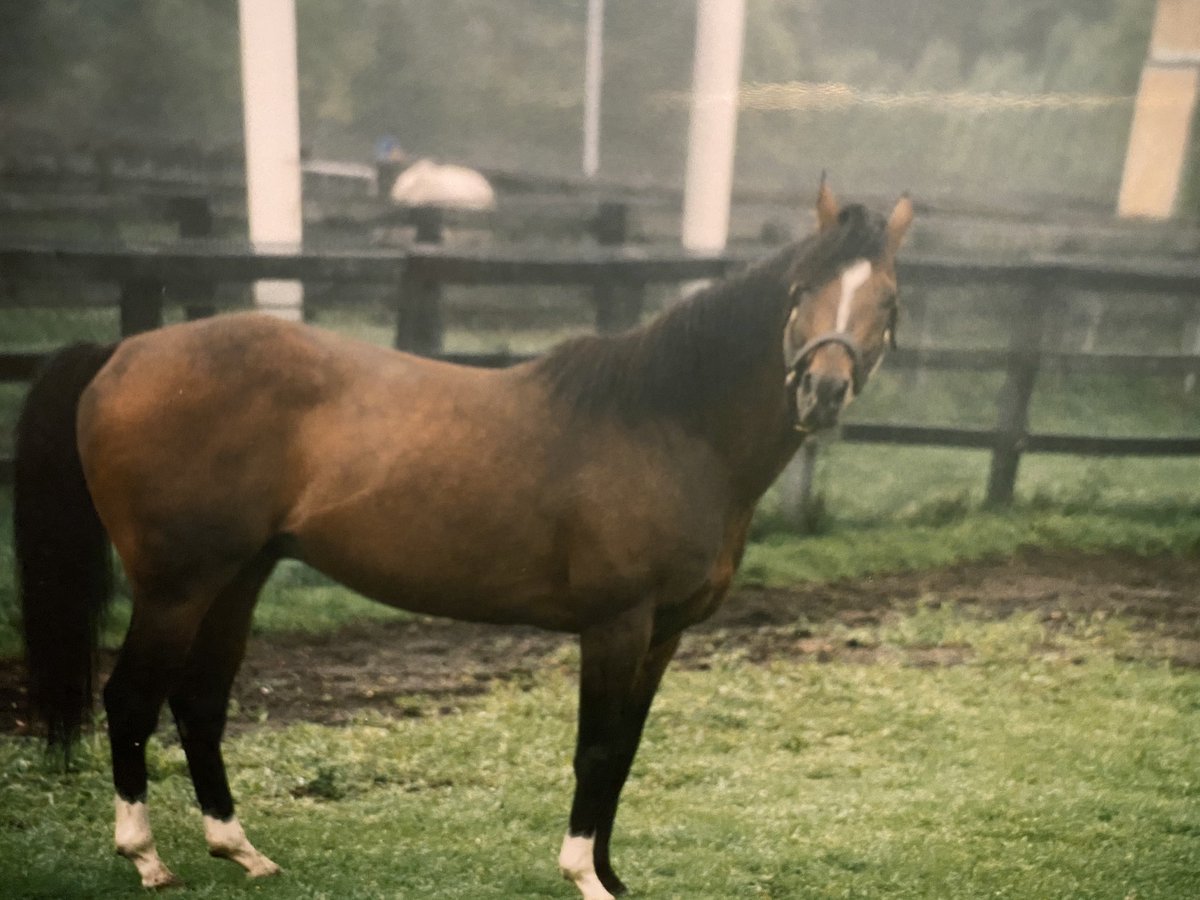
(618,276)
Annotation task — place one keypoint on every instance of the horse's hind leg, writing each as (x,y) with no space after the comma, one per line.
(160,634)
(200,704)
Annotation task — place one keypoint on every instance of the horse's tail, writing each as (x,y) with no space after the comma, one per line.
(64,566)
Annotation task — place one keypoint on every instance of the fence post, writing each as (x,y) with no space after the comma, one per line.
(915,327)
(618,303)
(1012,417)
(1191,343)
(194,219)
(141,306)
(796,502)
(419,317)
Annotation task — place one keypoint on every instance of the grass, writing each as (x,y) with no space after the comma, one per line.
(1048,765)
(783,559)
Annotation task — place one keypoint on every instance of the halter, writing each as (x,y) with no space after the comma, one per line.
(804,357)
(805,353)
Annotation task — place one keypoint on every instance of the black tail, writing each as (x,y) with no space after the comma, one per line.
(64,566)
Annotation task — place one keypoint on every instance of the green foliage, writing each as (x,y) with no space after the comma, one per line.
(1043,765)
(165,70)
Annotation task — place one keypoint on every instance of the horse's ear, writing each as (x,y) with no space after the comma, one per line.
(897,226)
(827,206)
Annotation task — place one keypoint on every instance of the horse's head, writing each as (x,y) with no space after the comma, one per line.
(845,319)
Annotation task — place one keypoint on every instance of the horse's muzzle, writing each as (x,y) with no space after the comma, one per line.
(819,400)
(818,397)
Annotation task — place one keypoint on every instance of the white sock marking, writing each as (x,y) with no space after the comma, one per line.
(135,841)
(577,864)
(853,278)
(227,840)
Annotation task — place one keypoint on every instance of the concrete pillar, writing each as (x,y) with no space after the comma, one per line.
(271,116)
(593,78)
(712,135)
(1166,102)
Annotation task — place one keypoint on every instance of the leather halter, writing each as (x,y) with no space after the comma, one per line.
(804,357)
(805,353)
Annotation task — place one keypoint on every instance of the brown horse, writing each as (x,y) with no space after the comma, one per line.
(604,489)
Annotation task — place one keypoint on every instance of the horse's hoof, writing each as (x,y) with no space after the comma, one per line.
(152,871)
(255,864)
(265,868)
(589,886)
(161,879)
(227,840)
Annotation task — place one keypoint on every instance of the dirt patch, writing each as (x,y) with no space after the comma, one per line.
(422,666)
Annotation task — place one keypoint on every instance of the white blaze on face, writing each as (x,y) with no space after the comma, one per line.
(227,839)
(853,278)
(577,864)
(135,842)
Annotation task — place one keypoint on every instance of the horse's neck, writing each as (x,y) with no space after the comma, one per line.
(752,433)
(713,366)
(746,418)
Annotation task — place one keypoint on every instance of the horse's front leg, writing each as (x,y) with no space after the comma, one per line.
(620,672)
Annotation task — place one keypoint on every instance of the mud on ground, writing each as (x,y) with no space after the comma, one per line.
(411,667)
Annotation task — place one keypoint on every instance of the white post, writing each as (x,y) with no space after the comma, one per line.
(271,116)
(712,135)
(1160,136)
(593,77)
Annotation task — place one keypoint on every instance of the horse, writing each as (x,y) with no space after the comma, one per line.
(604,489)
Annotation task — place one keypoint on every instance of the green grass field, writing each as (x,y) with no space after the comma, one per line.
(1049,765)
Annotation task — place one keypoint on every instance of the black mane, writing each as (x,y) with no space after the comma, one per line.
(701,349)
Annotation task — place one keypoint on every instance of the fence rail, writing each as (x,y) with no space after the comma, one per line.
(618,275)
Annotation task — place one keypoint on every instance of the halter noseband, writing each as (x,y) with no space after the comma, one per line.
(805,353)
(804,357)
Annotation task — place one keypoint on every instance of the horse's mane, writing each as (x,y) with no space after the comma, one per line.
(685,360)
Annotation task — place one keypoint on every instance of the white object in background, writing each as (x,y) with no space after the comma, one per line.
(426,183)
(593,76)
(271,118)
(712,134)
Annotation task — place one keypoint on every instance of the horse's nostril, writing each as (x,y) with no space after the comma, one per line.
(831,391)
(806,383)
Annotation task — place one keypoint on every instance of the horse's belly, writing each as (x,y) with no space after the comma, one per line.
(516,571)
(477,570)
